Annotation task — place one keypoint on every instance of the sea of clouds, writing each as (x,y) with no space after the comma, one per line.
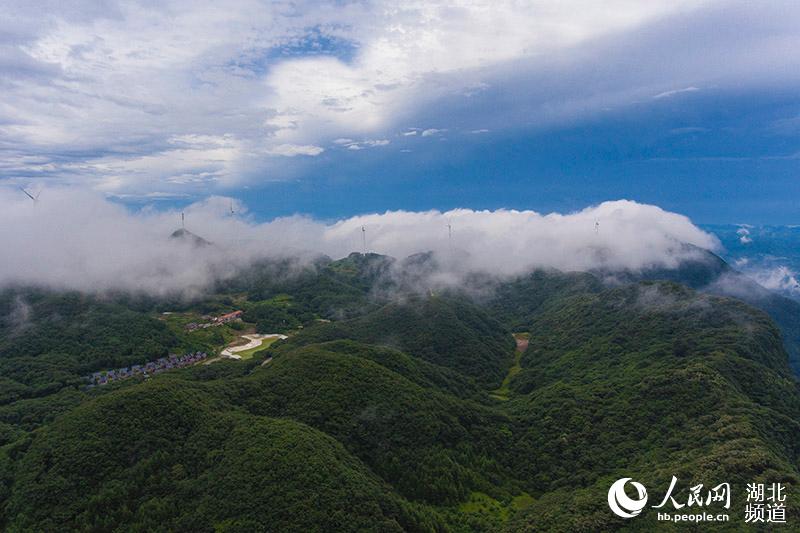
(77,239)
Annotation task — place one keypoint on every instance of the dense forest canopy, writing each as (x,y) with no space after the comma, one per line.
(383,410)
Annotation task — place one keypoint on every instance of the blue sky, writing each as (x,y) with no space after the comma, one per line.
(691,156)
(340,108)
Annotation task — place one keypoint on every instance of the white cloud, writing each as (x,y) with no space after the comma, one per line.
(667,94)
(476,132)
(432,131)
(744,235)
(77,239)
(779,278)
(291,150)
(360,145)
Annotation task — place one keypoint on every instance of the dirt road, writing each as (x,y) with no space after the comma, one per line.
(255,342)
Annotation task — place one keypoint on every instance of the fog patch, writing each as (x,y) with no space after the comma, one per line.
(18,317)
(668,298)
(736,285)
(779,278)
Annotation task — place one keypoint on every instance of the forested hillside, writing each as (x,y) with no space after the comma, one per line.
(650,381)
(380,411)
(451,332)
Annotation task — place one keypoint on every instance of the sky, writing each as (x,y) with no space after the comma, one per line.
(335,109)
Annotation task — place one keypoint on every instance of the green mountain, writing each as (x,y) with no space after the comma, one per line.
(708,272)
(169,457)
(650,381)
(385,411)
(447,331)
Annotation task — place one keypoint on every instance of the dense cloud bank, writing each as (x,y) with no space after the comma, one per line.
(79,240)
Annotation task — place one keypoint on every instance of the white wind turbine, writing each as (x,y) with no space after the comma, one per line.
(32,197)
(364,238)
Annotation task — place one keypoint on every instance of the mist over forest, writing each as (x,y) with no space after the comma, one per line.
(73,239)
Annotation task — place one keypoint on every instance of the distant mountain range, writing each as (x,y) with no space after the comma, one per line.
(768,254)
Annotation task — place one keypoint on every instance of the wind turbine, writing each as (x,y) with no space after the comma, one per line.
(450,235)
(232,211)
(596,226)
(32,197)
(364,238)
(183,221)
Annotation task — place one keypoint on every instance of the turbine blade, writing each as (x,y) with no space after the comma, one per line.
(27,194)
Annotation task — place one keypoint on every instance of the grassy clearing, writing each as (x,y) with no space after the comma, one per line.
(493,511)
(483,504)
(265,343)
(504,391)
(522,501)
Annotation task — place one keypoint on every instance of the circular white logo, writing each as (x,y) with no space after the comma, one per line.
(621,504)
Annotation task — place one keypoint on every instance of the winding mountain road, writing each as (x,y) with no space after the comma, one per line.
(255,341)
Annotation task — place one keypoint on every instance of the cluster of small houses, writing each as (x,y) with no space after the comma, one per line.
(165,363)
(215,321)
(147,369)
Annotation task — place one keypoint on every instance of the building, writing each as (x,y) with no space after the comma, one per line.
(230,317)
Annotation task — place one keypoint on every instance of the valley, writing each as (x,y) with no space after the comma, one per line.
(522,341)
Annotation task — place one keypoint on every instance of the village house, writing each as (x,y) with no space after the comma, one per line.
(215,321)
(148,369)
(229,317)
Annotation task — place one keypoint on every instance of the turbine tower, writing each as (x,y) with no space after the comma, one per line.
(596,226)
(183,221)
(364,238)
(450,235)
